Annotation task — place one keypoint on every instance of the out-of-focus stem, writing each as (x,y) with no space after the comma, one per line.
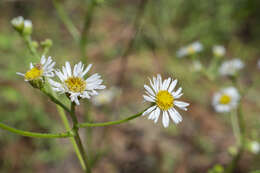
(130,45)
(85,31)
(28,41)
(66,20)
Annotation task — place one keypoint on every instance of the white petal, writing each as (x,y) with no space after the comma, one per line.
(181,104)
(177,92)
(149,99)
(68,68)
(172,86)
(157,115)
(165,119)
(20,74)
(43,59)
(149,110)
(86,70)
(175,116)
(149,90)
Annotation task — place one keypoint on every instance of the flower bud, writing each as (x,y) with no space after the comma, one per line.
(27,29)
(35,44)
(46,43)
(18,23)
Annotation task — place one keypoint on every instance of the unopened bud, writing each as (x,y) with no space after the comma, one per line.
(18,23)
(27,29)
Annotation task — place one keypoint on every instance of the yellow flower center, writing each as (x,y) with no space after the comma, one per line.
(224,99)
(191,50)
(164,100)
(34,73)
(75,84)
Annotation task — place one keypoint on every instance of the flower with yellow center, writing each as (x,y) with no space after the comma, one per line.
(164,99)
(40,70)
(226,100)
(218,50)
(191,49)
(73,83)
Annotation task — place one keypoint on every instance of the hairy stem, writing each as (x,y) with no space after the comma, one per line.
(36,135)
(81,125)
(78,139)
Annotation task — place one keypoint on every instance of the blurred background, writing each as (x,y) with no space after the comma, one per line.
(128,41)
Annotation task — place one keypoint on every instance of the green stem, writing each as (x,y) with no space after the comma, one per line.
(55,100)
(30,46)
(36,135)
(81,125)
(85,30)
(77,138)
(66,20)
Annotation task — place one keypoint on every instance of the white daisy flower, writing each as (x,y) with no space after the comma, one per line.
(190,49)
(74,84)
(254,147)
(226,100)
(40,70)
(18,23)
(231,67)
(105,96)
(164,99)
(219,50)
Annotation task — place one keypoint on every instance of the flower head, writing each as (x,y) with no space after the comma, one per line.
(231,67)
(105,96)
(226,100)
(73,82)
(190,49)
(164,99)
(254,147)
(40,70)
(18,23)
(218,50)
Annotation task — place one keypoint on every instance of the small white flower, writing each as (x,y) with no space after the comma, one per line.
(258,63)
(190,49)
(27,27)
(219,50)
(18,22)
(162,95)
(105,96)
(37,71)
(254,147)
(74,84)
(197,66)
(231,67)
(226,100)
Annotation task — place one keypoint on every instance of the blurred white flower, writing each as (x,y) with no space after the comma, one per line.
(226,99)
(42,69)
(231,67)
(18,23)
(258,63)
(164,98)
(254,147)
(27,29)
(105,96)
(219,50)
(190,49)
(197,66)
(73,82)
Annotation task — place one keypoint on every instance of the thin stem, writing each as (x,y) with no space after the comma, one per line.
(55,100)
(34,134)
(130,46)
(85,31)
(66,20)
(77,138)
(81,125)
(30,46)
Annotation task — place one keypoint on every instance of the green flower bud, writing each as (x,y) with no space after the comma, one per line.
(18,23)
(27,29)
(46,43)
